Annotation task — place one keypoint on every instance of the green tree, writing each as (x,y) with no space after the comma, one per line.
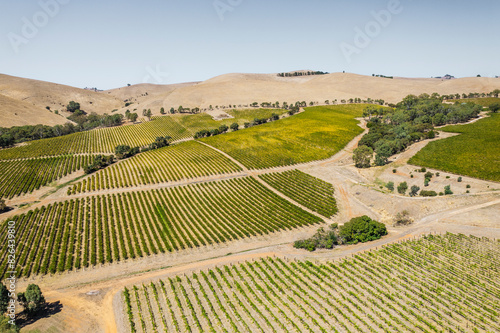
(447,190)
(4,298)
(234,126)
(362,156)
(172,110)
(402,187)
(494,107)
(122,151)
(390,186)
(414,190)
(496,92)
(223,128)
(73,106)
(133,117)
(32,300)
(6,327)
(162,110)
(382,154)
(361,229)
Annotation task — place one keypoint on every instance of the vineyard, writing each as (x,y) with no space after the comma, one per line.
(186,160)
(105,140)
(434,284)
(307,190)
(24,176)
(102,229)
(475,151)
(318,133)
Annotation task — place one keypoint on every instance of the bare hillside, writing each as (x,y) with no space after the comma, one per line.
(229,89)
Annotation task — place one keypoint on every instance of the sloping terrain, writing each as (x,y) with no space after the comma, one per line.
(224,90)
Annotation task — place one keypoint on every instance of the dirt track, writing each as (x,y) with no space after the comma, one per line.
(356,194)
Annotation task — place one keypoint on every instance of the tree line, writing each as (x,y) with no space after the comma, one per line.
(391,131)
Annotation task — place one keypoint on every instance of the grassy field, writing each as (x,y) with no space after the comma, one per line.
(486,101)
(475,152)
(395,289)
(316,134)
(305,189)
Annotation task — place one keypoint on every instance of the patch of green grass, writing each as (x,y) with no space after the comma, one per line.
(485,101)
(316,134)
(475,153)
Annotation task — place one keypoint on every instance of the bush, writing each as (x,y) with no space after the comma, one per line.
(361,229)
(447,190)
(468,186)
(402,188)
(32,300)
(459,179)
(394,170)
(414,190)
(362,156)
(428,194)
(323,239)
(402,218)
(390,186)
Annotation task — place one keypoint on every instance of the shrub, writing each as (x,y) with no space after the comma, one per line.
(428,194)
(361,229)
(459,179)
(390,186)
(447,190)
(402,218)
(468,186)
(362,156)
(394,170)
(429,175)
(323,239)
(402,188)
(423,170)
(414,190)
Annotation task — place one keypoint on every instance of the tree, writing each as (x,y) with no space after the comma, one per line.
(3,206)
(402,187)
(172,110)
(390,186)
(361,229)
(73,106)
(162,110)
(383,152)
(447,190)
(323,239)
(147,113)
(6,326)
(122,151)
(234,126)
(494,107)
(4,298)
(496,92)
(32,300)
(362,156)
(133,117)
(414,190)
(223,128)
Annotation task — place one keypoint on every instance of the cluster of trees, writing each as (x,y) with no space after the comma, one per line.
(132,116)
(413,119)
(84,122)
(100,162)
(302,73)
(125,151)
(32,300)
(323,239)
(359,229)
(216,131)
(494,93)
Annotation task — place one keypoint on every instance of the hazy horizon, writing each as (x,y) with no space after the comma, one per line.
(109,45)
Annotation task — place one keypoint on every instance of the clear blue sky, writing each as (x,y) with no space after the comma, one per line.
(109,43)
